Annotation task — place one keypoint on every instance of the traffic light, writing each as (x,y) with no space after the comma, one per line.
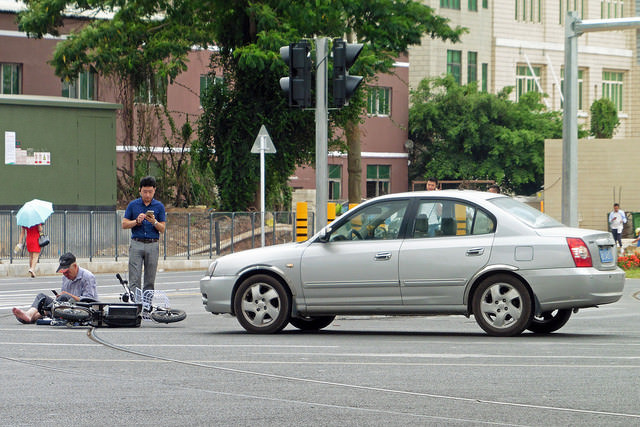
(298,84)
(344,85)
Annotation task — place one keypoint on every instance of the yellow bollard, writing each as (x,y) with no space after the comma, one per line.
(302,221)
(331,212)
(352,205)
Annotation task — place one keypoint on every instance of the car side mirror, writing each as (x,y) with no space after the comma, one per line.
(324,234)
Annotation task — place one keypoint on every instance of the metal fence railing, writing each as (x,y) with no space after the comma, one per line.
(98,234)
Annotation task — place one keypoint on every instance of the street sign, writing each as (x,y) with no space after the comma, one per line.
(262,145)
(269,148)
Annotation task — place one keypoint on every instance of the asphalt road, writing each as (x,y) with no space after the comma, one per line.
(364,371)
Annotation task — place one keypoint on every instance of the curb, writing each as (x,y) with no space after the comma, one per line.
(48,267)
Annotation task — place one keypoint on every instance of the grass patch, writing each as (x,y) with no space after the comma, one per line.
(632,273)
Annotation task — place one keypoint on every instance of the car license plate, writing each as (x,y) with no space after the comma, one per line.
(606,254)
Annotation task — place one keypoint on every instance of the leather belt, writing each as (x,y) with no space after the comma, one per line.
(137,239)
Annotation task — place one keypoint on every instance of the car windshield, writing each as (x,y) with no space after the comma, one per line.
(525,213)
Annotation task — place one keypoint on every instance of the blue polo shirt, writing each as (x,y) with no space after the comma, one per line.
(146,230)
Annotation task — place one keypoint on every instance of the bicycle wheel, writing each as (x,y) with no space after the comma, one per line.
(72,313)
(168,315)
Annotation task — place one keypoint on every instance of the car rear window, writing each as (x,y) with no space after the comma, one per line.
(525,213)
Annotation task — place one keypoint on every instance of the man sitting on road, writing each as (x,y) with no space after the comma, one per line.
(77,283)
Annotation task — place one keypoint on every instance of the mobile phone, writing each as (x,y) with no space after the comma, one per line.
(150,213)
(54,292)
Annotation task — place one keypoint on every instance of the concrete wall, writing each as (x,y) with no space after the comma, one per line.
(606,174)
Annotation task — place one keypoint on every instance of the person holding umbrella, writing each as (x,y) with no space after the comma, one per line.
(31,217)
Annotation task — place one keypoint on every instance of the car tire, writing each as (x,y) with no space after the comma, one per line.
(502,306)
(313,323)
(262,305)
(549,321)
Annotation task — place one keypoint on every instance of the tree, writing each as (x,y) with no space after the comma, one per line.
(146,38)
(460,133)
(604,118)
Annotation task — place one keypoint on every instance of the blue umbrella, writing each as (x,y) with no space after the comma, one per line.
(34,212)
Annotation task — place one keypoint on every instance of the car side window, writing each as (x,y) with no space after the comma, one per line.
(380,221)
(437,218)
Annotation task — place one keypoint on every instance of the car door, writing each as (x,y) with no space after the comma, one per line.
(436,265)
(358,263)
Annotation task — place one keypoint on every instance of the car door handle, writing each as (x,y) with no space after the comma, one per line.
(382,256)
(475,251)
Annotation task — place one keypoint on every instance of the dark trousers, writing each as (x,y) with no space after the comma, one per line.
(617,236)
(43,302)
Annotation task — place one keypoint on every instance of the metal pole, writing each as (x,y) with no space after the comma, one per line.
(263,147)
(570,125)
(322,151)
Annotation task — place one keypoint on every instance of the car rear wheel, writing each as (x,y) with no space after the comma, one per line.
(311,323)
(262,305)
(502,306)
(549,321)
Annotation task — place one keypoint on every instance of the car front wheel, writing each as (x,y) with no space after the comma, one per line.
(262,305)
(549,321)
(502,306)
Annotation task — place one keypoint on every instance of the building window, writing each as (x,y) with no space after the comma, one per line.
(206,81)
(580,86)
(152,91)
(529,10)
(472,67)
(11,78)
(485,77)
(335,180)
(525,81)
(379,101)
(450,4)
(378,178)
(612,87)
(473,5)
(570,6)
(454,64)
(83,87)
(485,4)
(611,9)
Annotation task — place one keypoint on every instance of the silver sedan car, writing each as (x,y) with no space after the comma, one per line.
(424,253)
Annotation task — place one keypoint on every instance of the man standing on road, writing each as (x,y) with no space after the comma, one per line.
(77,284)
(617,220)
(145,216)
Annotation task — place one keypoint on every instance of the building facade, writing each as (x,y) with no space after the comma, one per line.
(520,43)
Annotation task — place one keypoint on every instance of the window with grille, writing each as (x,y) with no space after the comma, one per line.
(379,101)
(580,86)
(485,77)
(378,180)
(152,91)
(454,64)
(570,6)
(83,87)
(612,87)
(11,78)
(529,10)
(473,5)
(335,180)
(611,9)
(525,80)
(472,67)
(450,4)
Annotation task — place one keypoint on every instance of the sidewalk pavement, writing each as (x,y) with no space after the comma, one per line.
(48,267)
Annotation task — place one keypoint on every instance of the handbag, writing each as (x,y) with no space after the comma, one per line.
(43,240)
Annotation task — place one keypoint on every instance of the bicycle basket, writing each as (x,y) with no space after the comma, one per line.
(150,299)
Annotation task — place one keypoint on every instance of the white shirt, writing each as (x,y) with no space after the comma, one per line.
(617,220)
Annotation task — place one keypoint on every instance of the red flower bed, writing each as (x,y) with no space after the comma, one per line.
(628,262)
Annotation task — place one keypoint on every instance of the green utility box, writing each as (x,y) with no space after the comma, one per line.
(58,149)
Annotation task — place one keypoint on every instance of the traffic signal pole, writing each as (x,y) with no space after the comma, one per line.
(322,151)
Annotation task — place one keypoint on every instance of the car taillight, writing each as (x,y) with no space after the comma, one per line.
(579,252)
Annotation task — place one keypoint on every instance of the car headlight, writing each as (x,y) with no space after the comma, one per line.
(212,268)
